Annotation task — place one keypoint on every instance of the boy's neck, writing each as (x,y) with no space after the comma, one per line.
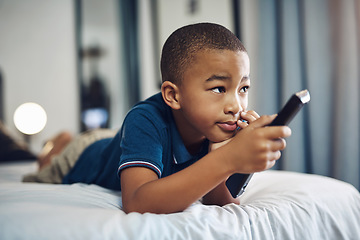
(192,140)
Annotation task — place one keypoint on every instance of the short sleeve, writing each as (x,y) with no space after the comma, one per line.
(140,142)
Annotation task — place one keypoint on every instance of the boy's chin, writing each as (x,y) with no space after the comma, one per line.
(219,139)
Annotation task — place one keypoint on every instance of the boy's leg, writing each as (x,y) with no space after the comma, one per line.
(53,147)
(63,163)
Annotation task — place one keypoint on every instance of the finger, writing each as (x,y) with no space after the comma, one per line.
(270,164)
(277,155)
(248,116)
(278,144)
(273,156)
(253,114)
(277,132)
(263,121)
(242,124)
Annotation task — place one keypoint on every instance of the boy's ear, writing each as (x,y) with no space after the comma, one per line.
(170,94)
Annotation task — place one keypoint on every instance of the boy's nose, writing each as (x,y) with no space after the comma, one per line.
(233,106)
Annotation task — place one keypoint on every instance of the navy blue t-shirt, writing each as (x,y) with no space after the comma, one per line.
(148,138)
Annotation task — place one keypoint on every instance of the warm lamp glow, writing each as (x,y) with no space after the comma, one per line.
(30,118)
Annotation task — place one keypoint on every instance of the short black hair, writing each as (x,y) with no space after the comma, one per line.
(182,46)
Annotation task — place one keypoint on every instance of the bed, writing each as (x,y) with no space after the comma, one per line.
(276,205)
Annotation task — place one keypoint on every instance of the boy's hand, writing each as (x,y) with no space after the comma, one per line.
(256,147)
(248,116)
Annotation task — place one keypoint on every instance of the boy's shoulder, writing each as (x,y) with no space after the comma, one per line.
(153,109)
(154,102)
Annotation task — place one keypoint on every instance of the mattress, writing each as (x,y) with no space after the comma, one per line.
(276,205)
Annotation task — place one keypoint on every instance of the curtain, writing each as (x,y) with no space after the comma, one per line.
(1,98)
(314,45)
(128,10)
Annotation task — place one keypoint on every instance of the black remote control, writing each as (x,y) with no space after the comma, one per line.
(237,182)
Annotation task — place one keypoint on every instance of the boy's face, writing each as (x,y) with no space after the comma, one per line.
(212,94)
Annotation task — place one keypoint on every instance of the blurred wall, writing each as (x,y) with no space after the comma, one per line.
(157,22)
(38,62)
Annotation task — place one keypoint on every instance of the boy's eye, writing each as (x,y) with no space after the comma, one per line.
(244,89)
(218,90)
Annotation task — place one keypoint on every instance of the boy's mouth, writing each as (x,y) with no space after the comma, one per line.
(227,126)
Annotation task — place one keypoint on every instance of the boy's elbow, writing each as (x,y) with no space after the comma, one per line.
(129,208)
(133,206)
(126,209)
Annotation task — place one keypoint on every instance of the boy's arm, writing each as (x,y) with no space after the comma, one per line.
(220,196)
(143,191)
(253,149)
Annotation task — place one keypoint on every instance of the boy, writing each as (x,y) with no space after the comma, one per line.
(182,144)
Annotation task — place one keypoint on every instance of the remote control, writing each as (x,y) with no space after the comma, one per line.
(237,182)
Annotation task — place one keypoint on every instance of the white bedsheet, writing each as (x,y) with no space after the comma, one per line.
(276,205)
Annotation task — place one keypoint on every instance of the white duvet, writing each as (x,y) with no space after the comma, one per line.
(276,205)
